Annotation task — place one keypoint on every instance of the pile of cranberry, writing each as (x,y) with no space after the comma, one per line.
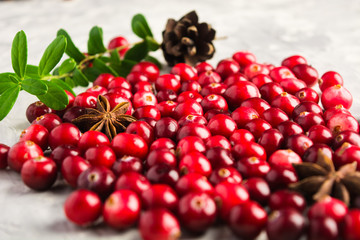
(211,146)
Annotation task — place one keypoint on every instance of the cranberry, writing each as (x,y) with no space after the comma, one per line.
(36,133)
(63,151)
(166,95)
(218,141)
(227,67)
(324,228)
(239,92)
(252,167)
(336,95)
(241,136)
(21,152)
(147,111)
(162,143)
(192,119)
(289,128)
(72,113)
(4,150)
(159,224)
(189,144)
(35,110)
(234,78)
(144,98)
(320,134)
(228,174)
(278,74)
(307,94)
(135,77)
(280,177)
(269,91)
(119,42)
(72,167)
(48,120)
(208,77)
(219,157)
(257,127)
(244,58)
(97,90)
(192,86)
(286,198)
(284,158)
(274,116)
(163,173)
(168,81)
(328,207)
(143,129)
(214,101)
(103,80)
(285,102)
(306,73)
(346,154)
(292,85)
(249,149)
(247,220)
(213,88)
(330,79)
(65,133)
(222,125)
(242,115)
(166,128)
(100,156)
(307,107)
(129,144)
(133,181)
(203,67)
(285,224)
(256,103)
(193,129)
(166,108)
(86,100)
(342,122)
(260,80)
(143,86)
(351,223)
(346,136)
(254,69)
(333,111)
(312,153)
(189,95)
(292,61)
(127,164)
(149,69)
(193,182)
(159,195)
(92,139)
(271,140)
(299,143)
(161,155)
(83,207)
(309,119)
(195,162)
(258,189)
(119,91)
(186,108)
(185,72)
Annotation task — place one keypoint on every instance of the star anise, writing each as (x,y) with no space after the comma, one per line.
(105,120)
(321,179)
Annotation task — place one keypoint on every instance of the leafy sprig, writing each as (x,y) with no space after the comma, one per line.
(49,84)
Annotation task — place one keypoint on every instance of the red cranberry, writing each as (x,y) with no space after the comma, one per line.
(284,158)
(118,82)
(309,119)
(260,80)
(285,224)
(103,80)
(119,91)
(195,162)
(222,125)
(166,108)
(86,100)
(269,91)
(119,42)
(92,139)
(244,58)
(168,81)
(203,67)
(127,164)
(285,102)
(161,155)
(274,116)
(257,127)
(36,133)
(143,86)
(249,149)
(48,120)
(147,111)
(239,92)
(242,115)
(330,79)
(328,207)
(254,69)
(63,151)
(97,90)
(21,152)
(39,173)
(162,143)
(346,154)
(307,107)
(312,153)
(213,88)
(143,129)
(185,72)
(65,133)
(100,156)
(186,108)
(189,144)
(129,144)
(166,128)
(214,101)
(280,177)
(72,113)
(292,61)
(336,95)
(299,143)
(271,140)
(228,174)
(72,167)
(218,141)
(35,110)
(166,95)
(163,173)
(241,136)
(342,122)
(333,111)
(144,98)
(351,223)
(258,189)
(193,182)
(193,129)
(135,77)
(192,119)
(159,195)
(4,149)
(256,103)
(278,74)
(192,86)
(133,181)
(189,95)
(306,73)
(346,136)
(149,69)
(289,128)
(234,78)
(159,224)
(252,167)
(227,67)
(219,157)
(208,77)
(292,85)
(287,199)
(320,134)
(83,207)
(307,94)
(323,229)
(247,220)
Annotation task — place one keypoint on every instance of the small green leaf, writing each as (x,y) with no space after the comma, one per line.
(63,85)
(52,55)
(125,67)
(32,72)
(115,57)
(19,54)
(71,50)
(7,100)
(69,81)
(79,78)
(91,73)
(152,44)
(153,60)
(14,79)
(137,52)
(95,42)
(6,82)
(103,68)
(67,66)
(140,26)
(55,97)
(34,86)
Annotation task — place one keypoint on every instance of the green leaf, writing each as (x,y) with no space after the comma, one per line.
(69,81)
(140,26)
(115,57)
(19,54)
(71,50)
(152,44)
(34,86)
(153,60)
(125,67)
(103,68)
(67,66)
(7,100)
(63,85)
(6,82)
(95,42)
(55,98)
(79,78)
(137,52)
(14,79)
(32,71)
(91,73)
(52,55)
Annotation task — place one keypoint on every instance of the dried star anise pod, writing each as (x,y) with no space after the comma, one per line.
(102,119)
(187,40)
(321,179)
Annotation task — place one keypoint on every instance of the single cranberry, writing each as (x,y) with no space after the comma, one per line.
(142,129)
(260,80)
(147,111)
(168,81)
(328,207)
(72,167)
(189,95)
(166,108)
(39,173)
(63,151)
(103,80)
(144,98)
(214,101)
(341,122)
(121,209)
(258,189)
(234,78)
(351,223)
(127,164)
(159,224)
(118,82)
(257,127)
(195,162)
(306,73)
(92,139)
(189,144)
(312,153)
(166,95)
(308,119)
(100,156)
(86,100)
(133,181)
(346,136)
(161,155)
(197,212)
(280,177)
(162,143)
(36,133)
(336,95)
(320,134)
(35,110)
(299,143)
(271,140)
(346,154)
(285,102)
(228,174)
(289,128)
(242,115)
(248,149)
(287,199)
(208,77)
(193,182)
(193,129)
(218,141)
(285,224)
(186,108)
(203,67)
(292,85)
(119,91)
(260,105)
(149,69)
(274,116)
(166,128)
(292,61)
(163,173)
(254,69)
(278,74)
(135,77)
(65,133)
(121,43)
(222,125)
(324,228)
(97,90)
(160,195)
(83,207)
(307,94)
(333,111)
(192,119)
(247,220)
(252,167)
(71,114)
(219,157)
(129,144)
(4,150)
(227,67)
(48,120)
(330,79)
(307,107)
(185,72)
(240,91)
(212,112)
(21,152)
(269,91)
(213,88)
(240,136)
(244,58)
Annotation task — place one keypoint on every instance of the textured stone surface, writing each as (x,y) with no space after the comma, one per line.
(326,32)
